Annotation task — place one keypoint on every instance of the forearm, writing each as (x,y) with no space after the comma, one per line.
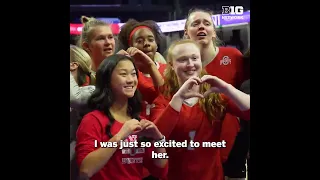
(239,98)
(161,163)
(97,159)
(176,103)
(156,76)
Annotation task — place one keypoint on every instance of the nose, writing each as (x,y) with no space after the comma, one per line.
(107,42)
(190,63)
(146,44)
(201,26)
(129,79)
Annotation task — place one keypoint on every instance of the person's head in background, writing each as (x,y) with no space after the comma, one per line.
(97,39)
(80,66)
(145,36)
(183,62)
(200,28)
(116,86)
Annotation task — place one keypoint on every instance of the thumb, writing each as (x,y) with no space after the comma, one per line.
(193,94)
(211,90)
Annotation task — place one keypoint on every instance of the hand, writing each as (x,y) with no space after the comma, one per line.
(142,61)
(217,85)
(129,127)
(123,52)
(186,91)
(149,130)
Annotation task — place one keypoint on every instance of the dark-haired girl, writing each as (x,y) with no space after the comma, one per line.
(116,107)
(144,37)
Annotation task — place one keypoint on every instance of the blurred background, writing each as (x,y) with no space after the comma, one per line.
(167,13)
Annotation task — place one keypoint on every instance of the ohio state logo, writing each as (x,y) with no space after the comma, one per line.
(225,60)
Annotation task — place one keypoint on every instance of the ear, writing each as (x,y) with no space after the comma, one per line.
(214,34)
(85,46)
(185,34)
(74,66)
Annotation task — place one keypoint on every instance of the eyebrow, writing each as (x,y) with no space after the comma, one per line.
(122,69)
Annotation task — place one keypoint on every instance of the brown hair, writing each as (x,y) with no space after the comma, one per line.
(213,105)
(216,41)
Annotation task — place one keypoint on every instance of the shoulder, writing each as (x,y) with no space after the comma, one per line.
(95,118)
(231,51)
(161,99)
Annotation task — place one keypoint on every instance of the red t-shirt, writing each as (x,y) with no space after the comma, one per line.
(148,91)
(229,66)
(124,164)
(191,123)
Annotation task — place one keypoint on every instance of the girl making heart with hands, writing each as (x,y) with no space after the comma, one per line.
(191,108)
(116,107)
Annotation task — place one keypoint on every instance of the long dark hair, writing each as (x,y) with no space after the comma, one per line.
(103,97)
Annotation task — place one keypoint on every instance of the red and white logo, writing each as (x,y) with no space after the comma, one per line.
(225,60)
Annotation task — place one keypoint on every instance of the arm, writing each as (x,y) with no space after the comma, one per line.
(79,95)
(157,167)
(164,116)
(240,99)
(148,91)
(238,103)
(89,158)
(241,75)
(156,76)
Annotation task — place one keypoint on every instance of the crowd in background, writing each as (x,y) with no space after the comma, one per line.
(167,109)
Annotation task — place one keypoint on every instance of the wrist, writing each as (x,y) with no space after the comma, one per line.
(158,136)
(118,137)
(228,89)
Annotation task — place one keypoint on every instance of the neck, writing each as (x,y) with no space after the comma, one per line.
(120,107)
(208,53)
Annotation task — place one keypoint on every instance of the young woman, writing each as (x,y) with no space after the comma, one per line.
(144,37)
(97,39)
(80,69)
(115,117)
(192,108)
(235,167)
(81,76)
(223,62)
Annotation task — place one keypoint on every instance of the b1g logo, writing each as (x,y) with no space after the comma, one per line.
(232,12)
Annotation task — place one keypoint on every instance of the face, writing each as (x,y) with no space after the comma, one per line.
(186,61)
(200,28)
(124,79)
(102,44)
(144,40)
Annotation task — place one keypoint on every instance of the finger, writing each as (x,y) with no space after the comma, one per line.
(149,126)
(197,79)
(129,50)
(193,94)
(211,90)
(191,83)
(137,127)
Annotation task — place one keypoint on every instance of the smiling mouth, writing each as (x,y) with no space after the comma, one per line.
(191,72)
(128,87)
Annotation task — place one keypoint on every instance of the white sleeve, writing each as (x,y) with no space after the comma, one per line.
(79,95)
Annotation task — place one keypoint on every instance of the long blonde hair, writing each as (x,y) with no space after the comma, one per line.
(213,105)
(80,56)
